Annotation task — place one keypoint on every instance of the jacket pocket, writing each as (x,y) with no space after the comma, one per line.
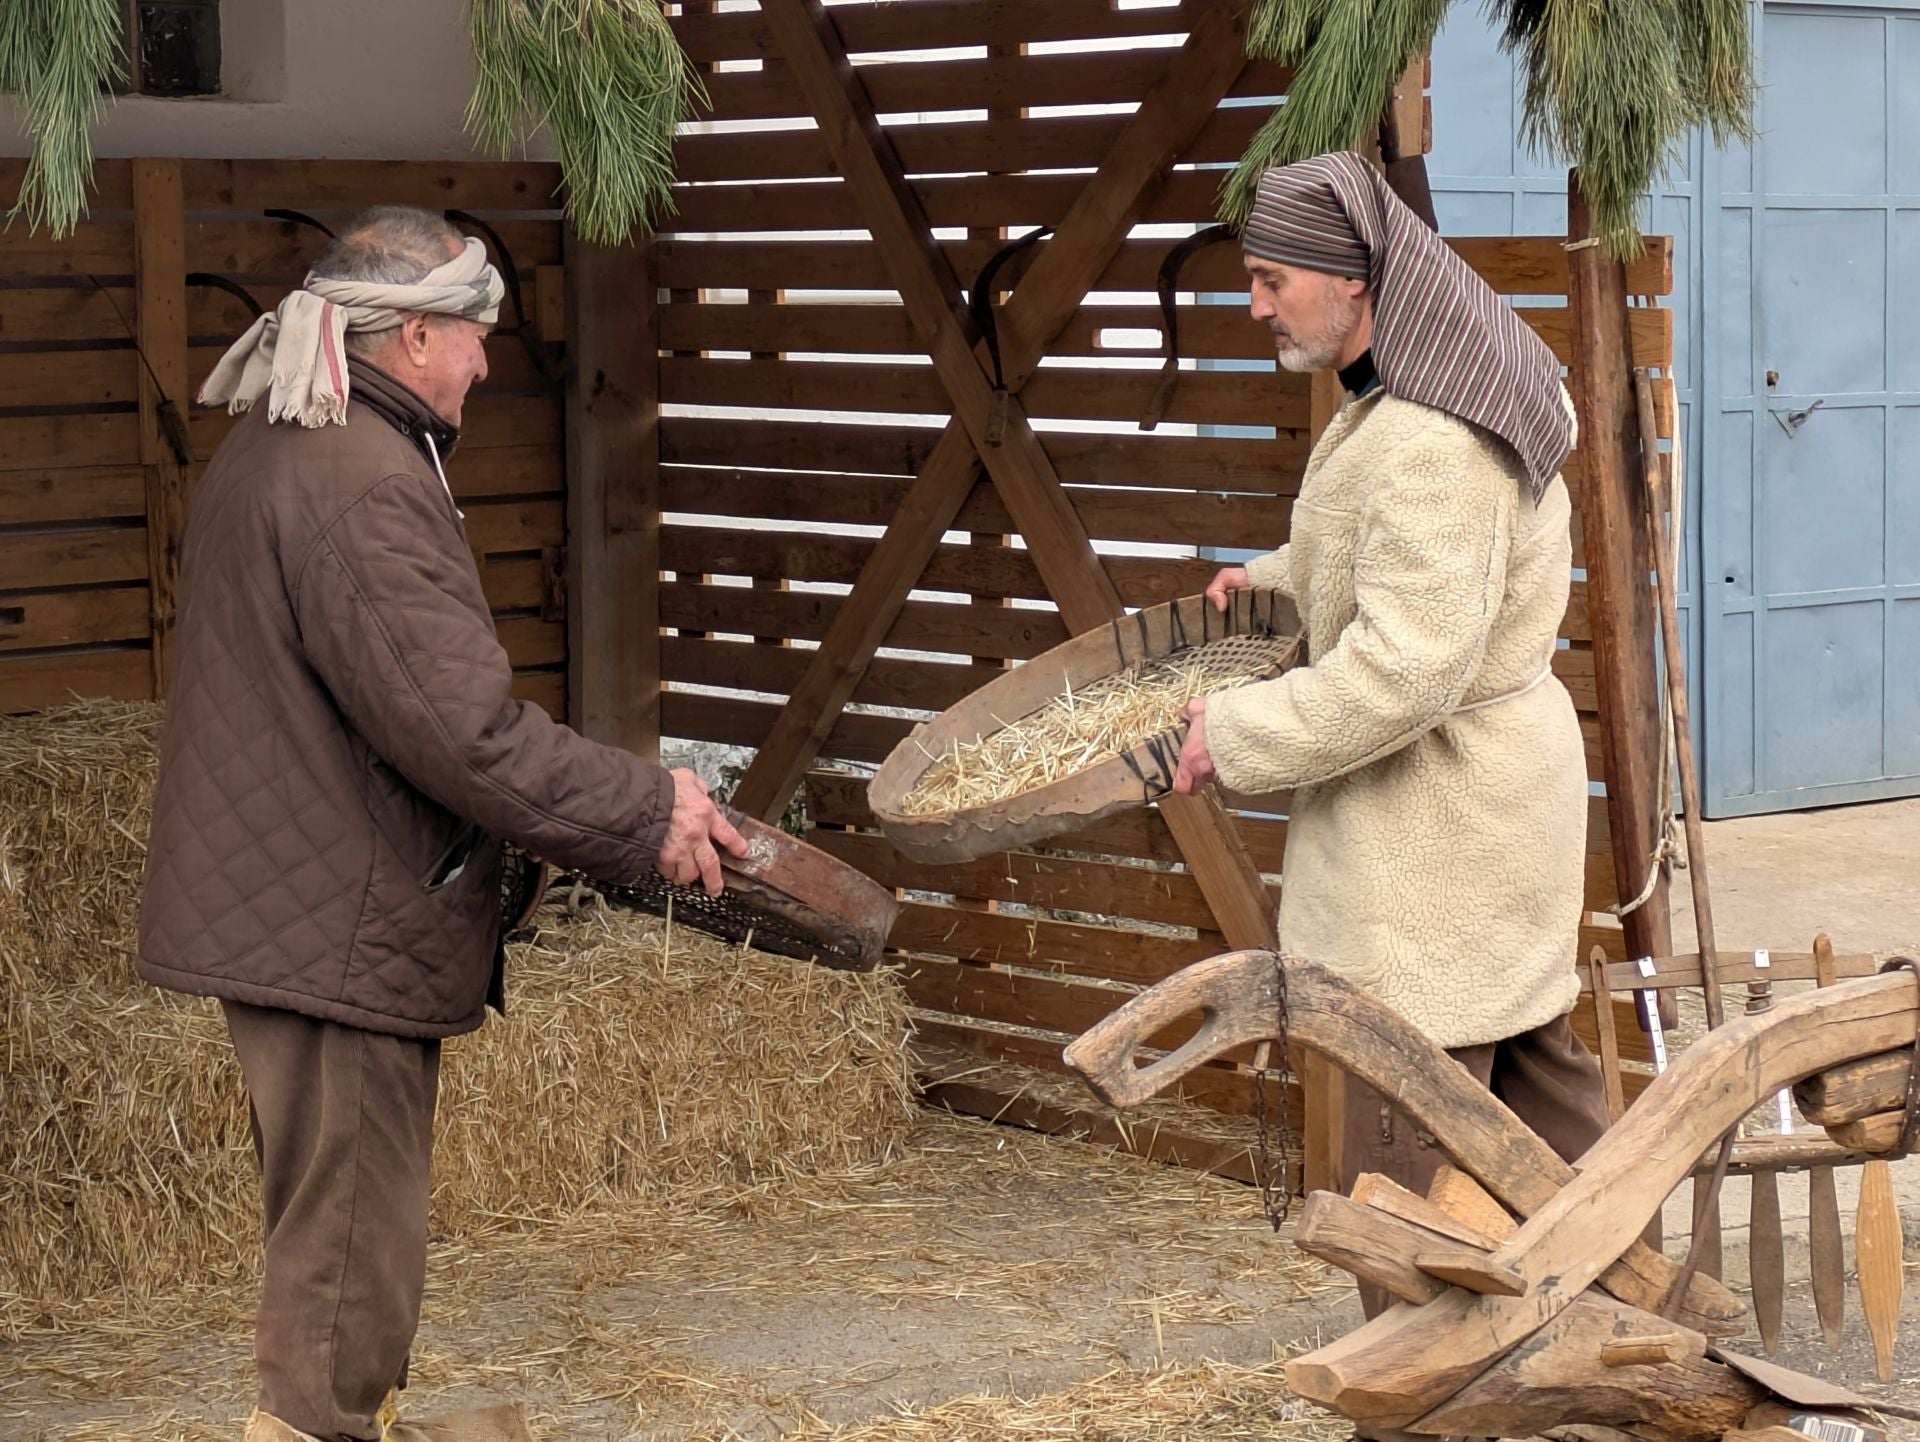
(453,860)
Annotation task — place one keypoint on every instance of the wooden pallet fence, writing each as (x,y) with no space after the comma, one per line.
(92,501)
(787,314)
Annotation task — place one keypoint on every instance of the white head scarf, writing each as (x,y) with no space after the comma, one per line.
(296,354)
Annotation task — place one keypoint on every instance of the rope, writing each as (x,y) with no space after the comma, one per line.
(1670,846)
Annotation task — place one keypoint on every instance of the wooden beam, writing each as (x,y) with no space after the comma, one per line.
(1563,1375)
(1470,1269)
(1375,1246)
(1464,1199)
(1043,303)
(1735,966)
(1858,1089)
(1384,1194)
(613,495)
(1879,1133)
(160,324)
(1019,464)
(1620,600)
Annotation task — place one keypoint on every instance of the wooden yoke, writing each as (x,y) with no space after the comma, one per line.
(1238,997)
(1196,80)
(1578,1229)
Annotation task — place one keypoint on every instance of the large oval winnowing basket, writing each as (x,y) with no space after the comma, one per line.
(1258,635)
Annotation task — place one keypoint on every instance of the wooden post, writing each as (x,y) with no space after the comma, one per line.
(1620,598)
(613,494)
(1406,135)
(160,328)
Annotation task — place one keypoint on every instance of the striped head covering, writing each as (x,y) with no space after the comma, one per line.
(1441,336)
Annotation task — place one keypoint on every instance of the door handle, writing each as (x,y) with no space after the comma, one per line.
(1791,421)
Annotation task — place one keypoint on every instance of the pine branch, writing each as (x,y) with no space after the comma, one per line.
(1611,85)
(610,84)
(1346,55)
(56,57)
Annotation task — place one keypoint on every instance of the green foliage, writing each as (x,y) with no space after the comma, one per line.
(1346,55)
(56,56)
(609,82)
(1611,85)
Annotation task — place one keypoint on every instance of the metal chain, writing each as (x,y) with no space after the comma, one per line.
(1274,1155)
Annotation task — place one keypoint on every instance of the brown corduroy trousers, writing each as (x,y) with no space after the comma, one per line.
(1547,1078)
(343,1127)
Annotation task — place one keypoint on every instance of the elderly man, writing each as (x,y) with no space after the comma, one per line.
(1440,787)
(342,759)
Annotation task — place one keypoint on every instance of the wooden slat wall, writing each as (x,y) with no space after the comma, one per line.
(764,477)
(796,408)
(74,567)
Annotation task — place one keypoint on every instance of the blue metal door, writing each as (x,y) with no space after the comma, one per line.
(1811,526)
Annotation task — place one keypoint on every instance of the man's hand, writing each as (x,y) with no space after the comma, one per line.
(1196,763)
(1230,579)
(695,833)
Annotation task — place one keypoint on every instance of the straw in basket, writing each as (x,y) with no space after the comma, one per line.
(1086,730)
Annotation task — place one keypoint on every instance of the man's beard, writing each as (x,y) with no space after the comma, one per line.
(1319,347)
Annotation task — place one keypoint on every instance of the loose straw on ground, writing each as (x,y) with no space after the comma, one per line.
(1077,730)
(648,1316)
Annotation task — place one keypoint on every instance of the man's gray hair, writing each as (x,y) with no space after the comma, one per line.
(388,245)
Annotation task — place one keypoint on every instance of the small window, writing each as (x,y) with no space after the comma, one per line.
(172,47)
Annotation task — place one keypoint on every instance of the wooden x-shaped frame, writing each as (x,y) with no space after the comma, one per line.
(1198,76)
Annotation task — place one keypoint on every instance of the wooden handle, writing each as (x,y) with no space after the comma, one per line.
(1648,1351)
(1826,1250)
(1877,1254)
(1766,1258)
(1237,996)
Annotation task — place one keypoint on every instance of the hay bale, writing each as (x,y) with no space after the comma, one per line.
(76,795)
(636,1061)
(642,1060)
(125,1161)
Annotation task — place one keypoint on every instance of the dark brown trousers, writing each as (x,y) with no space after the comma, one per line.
(343,1127)
(1547,1078)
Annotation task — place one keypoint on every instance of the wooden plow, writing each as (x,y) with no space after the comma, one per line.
(1527,1298)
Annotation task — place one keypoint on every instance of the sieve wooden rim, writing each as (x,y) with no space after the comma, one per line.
(1120,783)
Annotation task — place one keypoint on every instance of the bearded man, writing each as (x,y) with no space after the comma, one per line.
(1435,844)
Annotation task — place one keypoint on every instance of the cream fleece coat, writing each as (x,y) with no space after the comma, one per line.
(1434,852)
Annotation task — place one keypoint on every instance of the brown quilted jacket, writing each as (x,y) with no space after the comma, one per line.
(342,756)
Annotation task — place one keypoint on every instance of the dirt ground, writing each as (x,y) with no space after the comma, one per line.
(1080,1293)
(983,1259)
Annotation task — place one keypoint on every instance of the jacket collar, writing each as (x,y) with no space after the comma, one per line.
(401,408)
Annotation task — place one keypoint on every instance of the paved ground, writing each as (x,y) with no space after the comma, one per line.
(1851,871)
